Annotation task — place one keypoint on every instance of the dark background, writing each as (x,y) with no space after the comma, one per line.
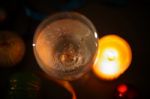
(126,18)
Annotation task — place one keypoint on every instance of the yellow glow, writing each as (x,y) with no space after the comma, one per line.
(113,58)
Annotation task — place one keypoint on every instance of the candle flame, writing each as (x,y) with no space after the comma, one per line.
(113,57)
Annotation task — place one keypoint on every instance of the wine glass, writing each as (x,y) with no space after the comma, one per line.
(65,45)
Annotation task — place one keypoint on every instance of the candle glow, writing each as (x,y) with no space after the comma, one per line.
(113,57)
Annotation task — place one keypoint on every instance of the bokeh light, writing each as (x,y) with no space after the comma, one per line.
(113,58)
(126,91)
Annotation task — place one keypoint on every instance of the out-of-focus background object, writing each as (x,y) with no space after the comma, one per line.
(24,85)
(129,20)
(126,91)
(12,49)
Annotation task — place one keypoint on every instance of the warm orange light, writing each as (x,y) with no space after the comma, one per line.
(113,58)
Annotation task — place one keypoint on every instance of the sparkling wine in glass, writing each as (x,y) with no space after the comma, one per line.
(65,45)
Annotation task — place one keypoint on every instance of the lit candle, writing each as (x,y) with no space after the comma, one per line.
(113,58)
